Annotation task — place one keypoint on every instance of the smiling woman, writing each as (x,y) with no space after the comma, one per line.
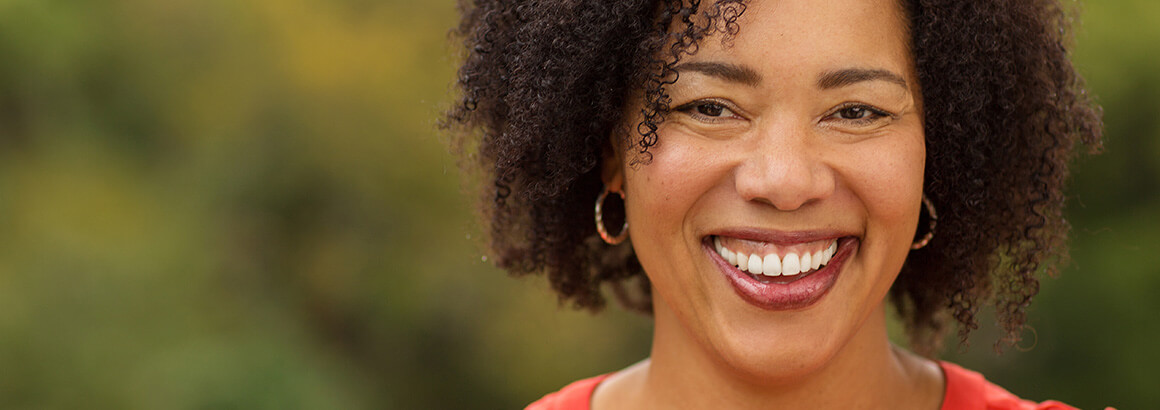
(782,164)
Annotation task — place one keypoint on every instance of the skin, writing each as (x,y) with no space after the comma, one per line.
(765,137)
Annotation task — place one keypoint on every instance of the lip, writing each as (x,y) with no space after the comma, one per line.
(780,237)
(797,293)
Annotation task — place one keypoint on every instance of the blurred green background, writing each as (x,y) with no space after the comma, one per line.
(245,204)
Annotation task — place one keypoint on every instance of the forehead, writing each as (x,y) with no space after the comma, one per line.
(784,37)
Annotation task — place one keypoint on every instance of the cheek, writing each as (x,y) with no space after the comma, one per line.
(662,193)
(888,180)
(663,198)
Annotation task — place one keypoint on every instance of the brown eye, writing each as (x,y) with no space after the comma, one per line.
(710,109)
(853,113)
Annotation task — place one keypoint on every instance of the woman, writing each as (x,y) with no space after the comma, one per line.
(782,165)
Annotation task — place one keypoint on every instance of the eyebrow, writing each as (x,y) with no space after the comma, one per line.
(829,80)
(849,76)
(725,71)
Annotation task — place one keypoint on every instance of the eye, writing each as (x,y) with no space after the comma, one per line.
(853,113)
(858,114)
(711,109)
(708,110)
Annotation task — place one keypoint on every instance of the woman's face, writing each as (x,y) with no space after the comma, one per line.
(804,137)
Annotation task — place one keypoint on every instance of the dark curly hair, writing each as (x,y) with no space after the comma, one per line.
(544,85)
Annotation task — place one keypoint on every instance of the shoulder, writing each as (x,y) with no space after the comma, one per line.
(575,396)
(968,390)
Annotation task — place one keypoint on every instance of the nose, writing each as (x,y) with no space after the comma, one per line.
(786,169)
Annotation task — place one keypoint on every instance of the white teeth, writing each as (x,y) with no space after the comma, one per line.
(771,265)
(790,265)
(755,264)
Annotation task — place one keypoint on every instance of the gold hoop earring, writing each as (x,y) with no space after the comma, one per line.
(611,240)
(933,221)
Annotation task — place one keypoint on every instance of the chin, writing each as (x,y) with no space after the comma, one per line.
(780,366)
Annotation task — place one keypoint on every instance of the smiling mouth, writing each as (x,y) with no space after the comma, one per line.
(784,274)
(769,261)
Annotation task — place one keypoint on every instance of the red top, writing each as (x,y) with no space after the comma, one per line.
(966,390)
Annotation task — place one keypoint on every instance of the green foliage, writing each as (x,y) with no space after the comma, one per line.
(223,204)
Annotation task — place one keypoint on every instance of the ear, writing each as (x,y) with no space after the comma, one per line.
(612,166)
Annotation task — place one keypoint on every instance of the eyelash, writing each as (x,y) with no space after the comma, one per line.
(874,114)
(691,109)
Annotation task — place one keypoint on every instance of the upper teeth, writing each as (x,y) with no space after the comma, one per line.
(772,265)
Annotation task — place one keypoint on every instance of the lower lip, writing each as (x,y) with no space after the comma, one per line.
(798,293)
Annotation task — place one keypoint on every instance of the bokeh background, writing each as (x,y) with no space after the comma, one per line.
(246,204)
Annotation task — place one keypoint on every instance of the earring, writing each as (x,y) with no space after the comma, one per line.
(933,221)
(611,240)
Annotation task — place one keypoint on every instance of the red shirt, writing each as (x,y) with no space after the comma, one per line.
(966,390)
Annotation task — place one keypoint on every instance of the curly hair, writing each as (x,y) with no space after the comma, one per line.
(545,84)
